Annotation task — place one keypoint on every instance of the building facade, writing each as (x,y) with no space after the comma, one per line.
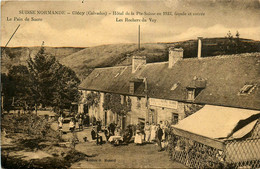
(170,91)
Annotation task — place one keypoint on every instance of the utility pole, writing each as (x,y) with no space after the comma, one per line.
(2,50)
(146,98)
(139,38)
(11,38)
(2,98)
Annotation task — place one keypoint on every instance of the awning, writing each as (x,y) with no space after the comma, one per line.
(220,122)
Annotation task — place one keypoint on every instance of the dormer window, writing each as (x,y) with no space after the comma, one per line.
(134,84)
(195,87)
(190,94)
(132,88)
(247,89)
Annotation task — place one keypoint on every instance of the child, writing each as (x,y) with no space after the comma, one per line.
(72,125)
(60,122)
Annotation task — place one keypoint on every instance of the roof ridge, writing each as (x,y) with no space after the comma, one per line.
(113,67)
(225,56)
(156,63)
(203,58)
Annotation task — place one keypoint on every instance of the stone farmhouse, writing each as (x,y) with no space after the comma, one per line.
(175,89)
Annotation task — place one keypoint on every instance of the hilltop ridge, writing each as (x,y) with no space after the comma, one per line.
(84,60)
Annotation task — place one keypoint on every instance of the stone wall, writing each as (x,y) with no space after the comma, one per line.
(139,111)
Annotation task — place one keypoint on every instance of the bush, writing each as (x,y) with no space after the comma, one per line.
(34,126)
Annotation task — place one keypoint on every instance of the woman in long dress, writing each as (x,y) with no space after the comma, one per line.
(138,137)
(147,131)
(153,132)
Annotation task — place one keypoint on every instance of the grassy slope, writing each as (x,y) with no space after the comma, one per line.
(19,55)
(110,55)
(83,61)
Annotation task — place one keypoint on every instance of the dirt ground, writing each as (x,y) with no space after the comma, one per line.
(127,156)
(97,156)
(124,156)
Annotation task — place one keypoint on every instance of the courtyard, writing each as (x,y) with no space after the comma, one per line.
(25,151)
(127,156)
(124,156)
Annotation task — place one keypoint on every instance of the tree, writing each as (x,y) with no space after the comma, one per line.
(42,77)
(51,83)
(93,99)
(19,76)
(229,35)
(229,43)
(114,103)
(237,35)
(238,44)
(7,92)
(66,87)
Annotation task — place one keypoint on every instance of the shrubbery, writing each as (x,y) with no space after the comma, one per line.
(32,133)
(33,126)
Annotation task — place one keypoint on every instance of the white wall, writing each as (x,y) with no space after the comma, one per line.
(138,110)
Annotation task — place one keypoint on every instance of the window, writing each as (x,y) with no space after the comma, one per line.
(132,88)
(190,94)
(246,89)
(195,87)
(122,99)
(152,116)
(141,121)
(84,94)
(175,118)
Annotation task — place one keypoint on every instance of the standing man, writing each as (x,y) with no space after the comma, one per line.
(80,121)
(159,137)
(112,128)
(107,134)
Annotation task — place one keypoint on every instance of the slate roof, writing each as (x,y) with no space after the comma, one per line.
(224,75)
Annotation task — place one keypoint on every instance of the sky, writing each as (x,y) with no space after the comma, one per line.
(216,18)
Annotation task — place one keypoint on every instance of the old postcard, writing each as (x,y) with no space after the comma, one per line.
(130,84)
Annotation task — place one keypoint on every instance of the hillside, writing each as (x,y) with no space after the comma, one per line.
(84,60)
(19,55)
(110,55)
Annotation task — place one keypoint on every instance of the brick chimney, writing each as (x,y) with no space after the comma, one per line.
(175,54)
(199,47)
(137,61)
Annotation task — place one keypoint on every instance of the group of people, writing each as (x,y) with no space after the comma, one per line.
(72,124)
(143,134)
(147,134)
(152,133)
(112,133)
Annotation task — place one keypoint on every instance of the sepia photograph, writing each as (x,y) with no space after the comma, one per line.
(130,84)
